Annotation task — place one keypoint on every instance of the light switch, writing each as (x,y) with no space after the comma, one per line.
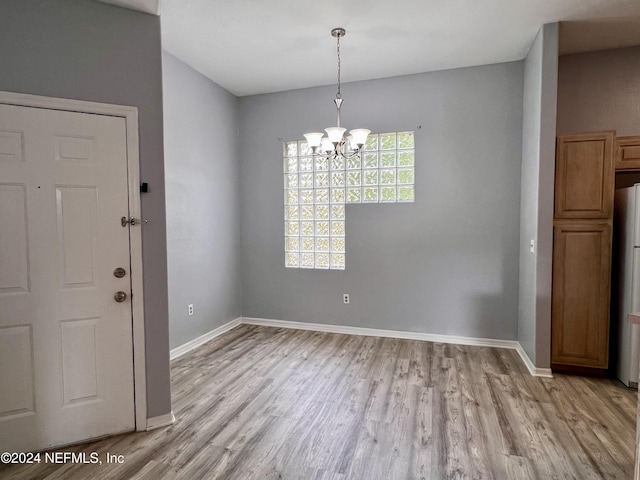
(532,246)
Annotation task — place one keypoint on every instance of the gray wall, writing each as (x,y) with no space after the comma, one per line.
(537,187)
(87,50)
(600,91)
(203,216)
(447,263)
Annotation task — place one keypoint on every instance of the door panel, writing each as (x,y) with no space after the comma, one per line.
(580,304)
(15,350)
(584,176)
(64,190)
(76,217)
(627,153)
(11,146)
(79,363)
(14,274)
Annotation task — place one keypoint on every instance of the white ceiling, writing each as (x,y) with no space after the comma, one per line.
(147,6)
(260,46)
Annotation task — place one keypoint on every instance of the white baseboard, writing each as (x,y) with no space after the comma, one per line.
(161,421)
(533,370)
(371,332)
(196,342)
(375,332)
(428,337)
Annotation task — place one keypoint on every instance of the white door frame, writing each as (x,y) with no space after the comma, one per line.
(130,114)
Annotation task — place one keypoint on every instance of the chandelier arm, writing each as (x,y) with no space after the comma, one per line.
(338,152)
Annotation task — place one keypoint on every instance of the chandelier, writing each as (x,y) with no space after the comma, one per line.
(335,144)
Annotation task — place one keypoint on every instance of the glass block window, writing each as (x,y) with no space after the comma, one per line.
(387,171)
(316,191)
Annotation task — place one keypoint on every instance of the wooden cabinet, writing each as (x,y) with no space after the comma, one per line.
(584,176)
(582,252)
(581,289)
(627,153)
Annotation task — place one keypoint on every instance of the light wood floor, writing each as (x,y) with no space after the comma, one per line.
(265,403)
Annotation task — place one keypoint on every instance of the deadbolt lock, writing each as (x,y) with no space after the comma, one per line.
(120,297)
(119,272)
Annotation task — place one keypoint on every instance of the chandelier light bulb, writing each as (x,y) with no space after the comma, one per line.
(335,134)
(359,136)
(327,146)
(314,139)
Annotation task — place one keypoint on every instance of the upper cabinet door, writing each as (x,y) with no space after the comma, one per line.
(628,153)
(584,175)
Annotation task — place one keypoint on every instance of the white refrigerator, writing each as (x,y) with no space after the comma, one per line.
(625,298)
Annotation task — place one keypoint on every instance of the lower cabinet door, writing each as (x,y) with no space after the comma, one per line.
(580,296)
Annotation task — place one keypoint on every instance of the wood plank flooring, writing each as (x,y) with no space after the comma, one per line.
(269,403)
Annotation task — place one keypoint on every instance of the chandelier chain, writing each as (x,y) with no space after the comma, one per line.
(338,95)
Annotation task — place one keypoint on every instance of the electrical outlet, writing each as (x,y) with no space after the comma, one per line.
(345,298)
(190,307)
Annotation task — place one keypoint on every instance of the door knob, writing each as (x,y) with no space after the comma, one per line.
(120,296)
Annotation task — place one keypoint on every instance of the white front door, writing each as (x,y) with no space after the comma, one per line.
(66,354)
